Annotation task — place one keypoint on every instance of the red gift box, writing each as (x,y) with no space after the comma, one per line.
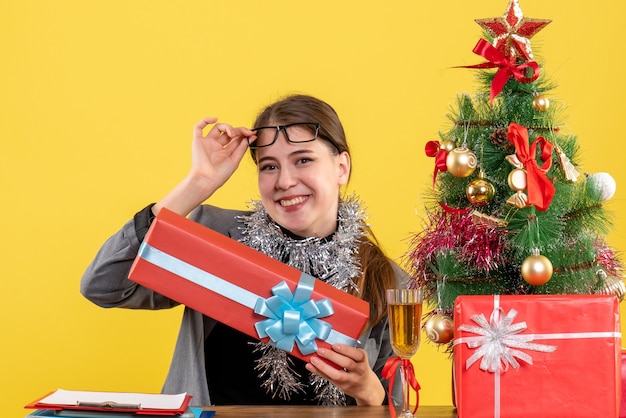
(244,288)
(537,356)
(622,410)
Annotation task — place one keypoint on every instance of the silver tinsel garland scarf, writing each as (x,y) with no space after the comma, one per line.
(332,259)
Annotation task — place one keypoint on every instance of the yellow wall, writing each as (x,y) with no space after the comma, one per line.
(97,104)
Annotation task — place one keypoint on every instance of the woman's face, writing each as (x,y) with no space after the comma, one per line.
(299,183)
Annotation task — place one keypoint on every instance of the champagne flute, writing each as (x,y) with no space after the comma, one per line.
(405,315)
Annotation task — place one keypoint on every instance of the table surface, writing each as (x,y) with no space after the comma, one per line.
(321,411)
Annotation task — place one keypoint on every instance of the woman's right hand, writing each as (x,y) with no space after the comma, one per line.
(214,158)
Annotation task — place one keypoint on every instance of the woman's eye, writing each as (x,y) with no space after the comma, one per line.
(304,160)
(267,167)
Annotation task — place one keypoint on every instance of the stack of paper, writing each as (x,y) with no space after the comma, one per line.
(73,404)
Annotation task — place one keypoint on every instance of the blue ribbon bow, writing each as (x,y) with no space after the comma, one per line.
(294,318)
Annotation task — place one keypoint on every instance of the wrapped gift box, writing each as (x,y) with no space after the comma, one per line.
(245,289)
(537,356)
(622,413)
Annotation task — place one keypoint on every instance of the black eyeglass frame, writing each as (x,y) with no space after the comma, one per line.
(284,129)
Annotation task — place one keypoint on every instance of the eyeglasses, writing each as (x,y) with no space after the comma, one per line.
(264,137)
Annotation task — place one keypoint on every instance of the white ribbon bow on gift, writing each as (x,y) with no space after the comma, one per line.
(499,342)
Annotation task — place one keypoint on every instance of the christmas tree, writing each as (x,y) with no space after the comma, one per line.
(510,210)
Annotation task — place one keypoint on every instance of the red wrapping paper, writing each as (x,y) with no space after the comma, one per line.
(244,267)
(622,411)
(580,378)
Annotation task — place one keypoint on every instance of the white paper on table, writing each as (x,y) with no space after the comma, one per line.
(142,400)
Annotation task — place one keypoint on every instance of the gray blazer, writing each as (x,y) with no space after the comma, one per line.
(105,283)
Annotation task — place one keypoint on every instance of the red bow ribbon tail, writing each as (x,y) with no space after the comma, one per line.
(389,373)
(543,188)
(540,188)
(433,149)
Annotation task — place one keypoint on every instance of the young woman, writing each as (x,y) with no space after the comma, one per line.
(303,220)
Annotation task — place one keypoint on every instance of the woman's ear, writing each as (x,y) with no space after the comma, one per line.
(344,166)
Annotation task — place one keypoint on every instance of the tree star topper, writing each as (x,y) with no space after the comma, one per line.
(512,31)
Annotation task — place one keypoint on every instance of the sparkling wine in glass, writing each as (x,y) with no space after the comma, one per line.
(405,315)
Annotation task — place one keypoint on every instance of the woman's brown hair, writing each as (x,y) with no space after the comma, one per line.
(303,108)
(378,275)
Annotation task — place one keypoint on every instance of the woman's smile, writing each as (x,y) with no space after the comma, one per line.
(293,201)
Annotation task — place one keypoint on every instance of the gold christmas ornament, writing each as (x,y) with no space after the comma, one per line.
(519,200)
(517,182)
(439,328)
(540,103)
(536,269)
(447,146)
(480,192)
(490,221)
(517,179)
(614,286)
(461,162)
(569,171)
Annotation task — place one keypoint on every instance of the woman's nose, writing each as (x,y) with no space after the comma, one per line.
(286,179)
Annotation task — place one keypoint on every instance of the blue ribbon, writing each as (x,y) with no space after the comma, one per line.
(291,318)
(294,318)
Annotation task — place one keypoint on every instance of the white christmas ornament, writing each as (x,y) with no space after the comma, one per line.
(605,183)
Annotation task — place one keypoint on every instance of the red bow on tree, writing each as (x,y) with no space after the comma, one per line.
(506,67)
(389,373)
(539,186)
(433,149)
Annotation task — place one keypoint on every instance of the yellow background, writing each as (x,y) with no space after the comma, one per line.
(99,99)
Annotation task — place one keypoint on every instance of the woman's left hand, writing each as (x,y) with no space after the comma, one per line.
(354,375)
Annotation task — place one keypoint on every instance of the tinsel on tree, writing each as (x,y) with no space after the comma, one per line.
(510,210)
